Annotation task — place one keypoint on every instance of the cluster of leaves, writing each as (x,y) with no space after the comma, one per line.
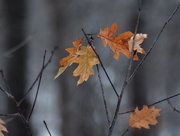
(86,57)
(122,43)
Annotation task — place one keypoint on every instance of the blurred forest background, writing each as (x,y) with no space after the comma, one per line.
(72,110)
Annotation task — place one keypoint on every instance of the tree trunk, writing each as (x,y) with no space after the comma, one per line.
(16,64)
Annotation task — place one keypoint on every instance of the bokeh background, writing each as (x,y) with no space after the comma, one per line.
(72,110)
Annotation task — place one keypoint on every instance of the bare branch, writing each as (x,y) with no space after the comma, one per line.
(126,131)
(127,75)
(173,107)
(47,127)
(104,99)
(90,43)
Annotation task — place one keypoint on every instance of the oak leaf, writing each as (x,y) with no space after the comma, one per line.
(67,61)
(117,43)
(137,47)
(86,59)
(2,128)
(144,117)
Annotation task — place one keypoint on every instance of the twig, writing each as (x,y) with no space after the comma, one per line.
(104,99)
(165,99)
(4,80)
(101,63)
(173,107)
(47,128)
(153,44)
(49,61)
(37,92)
(126,77)
(7,93)
(126,131)
(10,115)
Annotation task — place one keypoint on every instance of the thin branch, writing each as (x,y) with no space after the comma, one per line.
(127,75)
(164,99)
(37,92)
(101,63)
(49,61)
(4,80)
(7,93)
(160,101)
(47,128)
(173,107)
(10,115)
(126,131)
(153,44)
(104,99)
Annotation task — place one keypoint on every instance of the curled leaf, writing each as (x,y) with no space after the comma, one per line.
(137,44)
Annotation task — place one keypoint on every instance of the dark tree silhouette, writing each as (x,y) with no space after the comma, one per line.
(15,15)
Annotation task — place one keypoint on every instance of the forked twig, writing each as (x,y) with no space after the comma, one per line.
(40,77)
(47,63)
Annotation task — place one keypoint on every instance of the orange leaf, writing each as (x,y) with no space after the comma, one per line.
(72,53)
(117,43)
(106,34)
(67,61)
(2,128)
(144,117)
(86,61)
